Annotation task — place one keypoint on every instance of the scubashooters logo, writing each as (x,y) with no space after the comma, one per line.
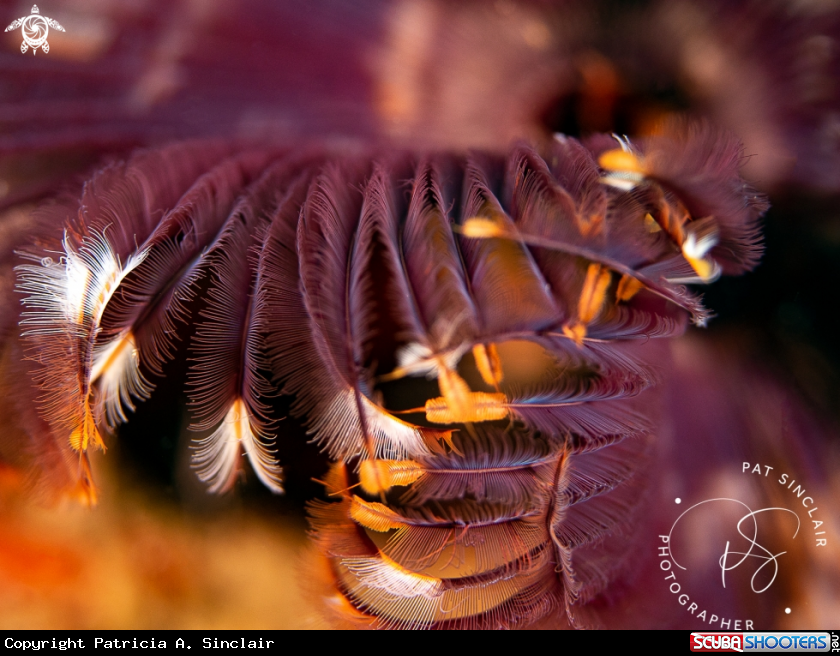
(749,544)
(796,641)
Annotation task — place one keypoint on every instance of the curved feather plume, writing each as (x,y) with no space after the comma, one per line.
(68,294)
(228,389)
(65,302)
(335,238)
(143,318)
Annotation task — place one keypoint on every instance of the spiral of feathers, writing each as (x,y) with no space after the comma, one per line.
(355,282)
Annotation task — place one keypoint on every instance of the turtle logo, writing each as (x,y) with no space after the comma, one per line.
(35,29)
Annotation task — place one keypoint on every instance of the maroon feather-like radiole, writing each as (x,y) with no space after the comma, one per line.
(527,285)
